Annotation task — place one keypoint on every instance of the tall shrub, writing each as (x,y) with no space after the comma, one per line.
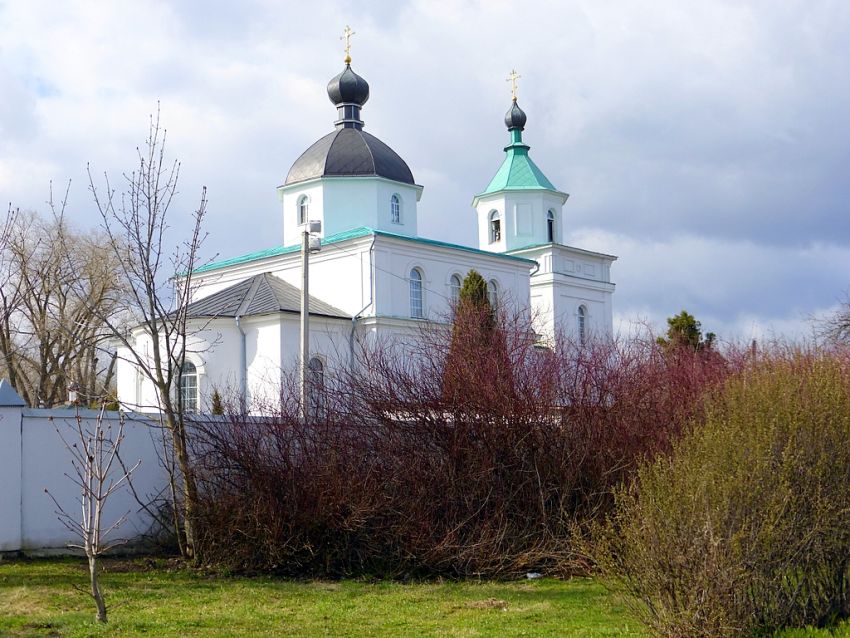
(745,528)
(399,476)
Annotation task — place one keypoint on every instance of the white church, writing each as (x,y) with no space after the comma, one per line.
(375,276)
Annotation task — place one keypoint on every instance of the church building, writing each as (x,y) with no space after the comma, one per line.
(375,276)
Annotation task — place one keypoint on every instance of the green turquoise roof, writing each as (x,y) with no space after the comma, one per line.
(354,233)
(518,172)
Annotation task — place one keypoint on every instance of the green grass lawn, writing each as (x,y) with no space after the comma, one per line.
(37,598)
(154,598)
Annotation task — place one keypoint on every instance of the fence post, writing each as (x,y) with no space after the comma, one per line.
(11,416)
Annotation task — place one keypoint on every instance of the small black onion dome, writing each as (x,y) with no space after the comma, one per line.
(515,117)
(348,88)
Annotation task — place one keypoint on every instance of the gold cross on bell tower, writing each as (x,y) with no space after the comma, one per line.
(512,78)
(346,35)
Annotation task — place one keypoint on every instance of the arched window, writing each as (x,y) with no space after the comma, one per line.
(316,381)
(303,210)
(416,307)
(189,387)
(550,226)
(454,285)
(493,293)
(495,226)
(581,316)
(395,209)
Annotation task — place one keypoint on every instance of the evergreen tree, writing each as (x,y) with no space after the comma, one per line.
(478,344)
(217,408)
(683,330)
(474,298)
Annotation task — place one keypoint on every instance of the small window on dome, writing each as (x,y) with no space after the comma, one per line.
(550,226)
(495,226)
(303,210)
(395,209)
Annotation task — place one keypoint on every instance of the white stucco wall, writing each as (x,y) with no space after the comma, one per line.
(289,197)
(394,259)
(339,274)
(567,279)
(523,217)
(343,203)
(272,349)
(210,343)
(369,277)
(263,348)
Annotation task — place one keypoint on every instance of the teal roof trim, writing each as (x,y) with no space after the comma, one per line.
(281,250)
(233,261)
(354,233)
(444,244)
(518,172)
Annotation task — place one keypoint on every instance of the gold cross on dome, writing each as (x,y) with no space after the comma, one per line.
(512,78)
(346,35)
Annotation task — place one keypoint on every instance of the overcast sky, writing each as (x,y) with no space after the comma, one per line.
(707,144)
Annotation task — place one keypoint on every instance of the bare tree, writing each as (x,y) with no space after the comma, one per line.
(7,291)
(157,277)
(51,303)
(6,229)
(836,327)
(97,471)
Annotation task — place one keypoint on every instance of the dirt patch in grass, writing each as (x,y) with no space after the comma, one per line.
(323,585)
(490,603)
(23,601)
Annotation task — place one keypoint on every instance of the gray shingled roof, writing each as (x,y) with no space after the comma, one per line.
(260,295)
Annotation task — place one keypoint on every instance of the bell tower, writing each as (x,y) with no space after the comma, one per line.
(520,207)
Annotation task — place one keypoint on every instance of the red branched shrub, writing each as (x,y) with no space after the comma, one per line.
(444,455)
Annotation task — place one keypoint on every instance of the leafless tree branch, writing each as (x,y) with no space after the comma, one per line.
(93,446)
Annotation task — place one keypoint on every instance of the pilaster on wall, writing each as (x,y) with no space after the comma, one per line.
(11,417)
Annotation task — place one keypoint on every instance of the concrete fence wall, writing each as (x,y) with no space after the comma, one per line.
(34,458)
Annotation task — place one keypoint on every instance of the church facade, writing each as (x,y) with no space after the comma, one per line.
(375,276)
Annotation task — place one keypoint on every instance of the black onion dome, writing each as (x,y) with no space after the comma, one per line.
(348,88)
(349,152)
(515,117)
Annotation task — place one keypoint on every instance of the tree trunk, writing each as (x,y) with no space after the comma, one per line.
(189,488)
(95,590)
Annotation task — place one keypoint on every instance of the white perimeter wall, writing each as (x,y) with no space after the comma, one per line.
(33,458)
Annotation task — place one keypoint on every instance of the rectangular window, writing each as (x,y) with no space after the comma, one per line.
(189,388)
